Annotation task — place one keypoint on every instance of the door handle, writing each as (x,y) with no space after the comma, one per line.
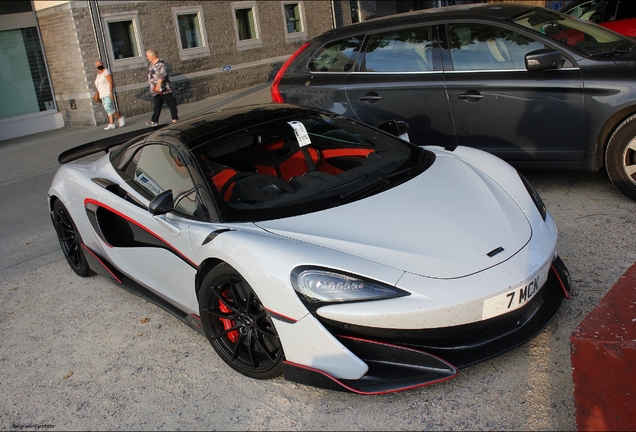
(370,97)
(470,96)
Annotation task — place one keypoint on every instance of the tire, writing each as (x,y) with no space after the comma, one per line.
(70,240)
(620,157)
(237,325)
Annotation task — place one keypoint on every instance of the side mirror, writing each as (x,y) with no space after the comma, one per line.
(543,59)
(162,203)
(395,127)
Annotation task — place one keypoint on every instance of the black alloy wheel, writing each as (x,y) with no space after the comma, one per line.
(70,240)
(237,325)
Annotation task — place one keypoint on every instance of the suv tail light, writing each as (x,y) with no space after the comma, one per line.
(276,97)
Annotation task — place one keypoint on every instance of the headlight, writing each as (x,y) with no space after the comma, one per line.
(324,286)
(535,197)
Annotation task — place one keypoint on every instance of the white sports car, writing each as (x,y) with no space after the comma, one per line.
(304,243)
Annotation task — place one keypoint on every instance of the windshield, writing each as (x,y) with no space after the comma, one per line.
(589,10)
(584,38)
(303,163)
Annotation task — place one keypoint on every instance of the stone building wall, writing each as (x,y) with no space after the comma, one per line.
(71,48)
(67,42)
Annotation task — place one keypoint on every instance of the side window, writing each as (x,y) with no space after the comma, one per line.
(158,168)
(338,56)
(591,10)
(595,11)
(406,50)
(485,47)
(625,9)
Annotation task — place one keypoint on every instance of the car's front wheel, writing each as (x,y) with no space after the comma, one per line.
(70,240)
(238,326)
(620,157)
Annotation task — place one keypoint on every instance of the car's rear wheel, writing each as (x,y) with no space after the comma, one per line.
(620,157)
(70,240)
(238,326)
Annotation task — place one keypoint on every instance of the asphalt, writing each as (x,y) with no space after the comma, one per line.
(82,354)
(27,166)
(43,148)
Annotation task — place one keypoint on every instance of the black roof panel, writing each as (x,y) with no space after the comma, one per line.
(202,129)
(499,11)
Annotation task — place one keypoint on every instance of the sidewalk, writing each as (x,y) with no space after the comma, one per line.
(23,156)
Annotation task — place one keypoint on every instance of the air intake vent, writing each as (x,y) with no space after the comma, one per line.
(494,252)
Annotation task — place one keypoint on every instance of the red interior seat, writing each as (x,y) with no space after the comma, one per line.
(285,159)
(223,184)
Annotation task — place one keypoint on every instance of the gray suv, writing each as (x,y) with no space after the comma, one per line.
(530,85)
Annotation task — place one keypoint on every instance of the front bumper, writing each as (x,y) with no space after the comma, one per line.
(403,359)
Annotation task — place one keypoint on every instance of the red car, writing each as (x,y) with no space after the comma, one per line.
(616,15)
(624,26)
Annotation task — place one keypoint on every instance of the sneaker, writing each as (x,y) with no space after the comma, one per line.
(151,123)
(110,126)
(174,121)
(121,122)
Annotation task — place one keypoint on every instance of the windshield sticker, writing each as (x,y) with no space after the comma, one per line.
(301,133)
(143,179)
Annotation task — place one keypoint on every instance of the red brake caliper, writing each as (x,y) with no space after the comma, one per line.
(228,323)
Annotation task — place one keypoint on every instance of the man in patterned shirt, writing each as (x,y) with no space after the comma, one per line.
(160,88)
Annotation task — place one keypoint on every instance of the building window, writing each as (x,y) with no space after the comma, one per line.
(191,33)
(355,11)
(294,22)
(189,30)
(15,7)
(246,25)
(123,40)
(122,36)
(23,76)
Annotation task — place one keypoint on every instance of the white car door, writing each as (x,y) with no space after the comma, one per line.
(155,249)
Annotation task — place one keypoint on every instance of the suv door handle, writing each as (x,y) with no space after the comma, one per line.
(371,97)
(471,95)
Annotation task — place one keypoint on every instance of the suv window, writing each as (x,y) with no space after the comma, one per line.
(485,47)
(591,10)
(584,38)
(625,9)
(157,168)
(406,50)
(338,56)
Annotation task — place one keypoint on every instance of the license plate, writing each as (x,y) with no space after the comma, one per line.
(516,297)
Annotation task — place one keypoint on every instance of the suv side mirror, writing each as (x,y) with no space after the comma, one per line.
(543,59)
(399,128)
(162,203)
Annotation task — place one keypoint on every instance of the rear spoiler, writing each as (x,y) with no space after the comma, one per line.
(100,145)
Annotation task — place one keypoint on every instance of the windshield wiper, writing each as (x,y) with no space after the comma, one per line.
(624,50)
(369,189)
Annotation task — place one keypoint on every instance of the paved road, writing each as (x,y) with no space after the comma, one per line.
(27,166)
(75,354)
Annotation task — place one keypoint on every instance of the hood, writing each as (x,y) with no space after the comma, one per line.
(441,224)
